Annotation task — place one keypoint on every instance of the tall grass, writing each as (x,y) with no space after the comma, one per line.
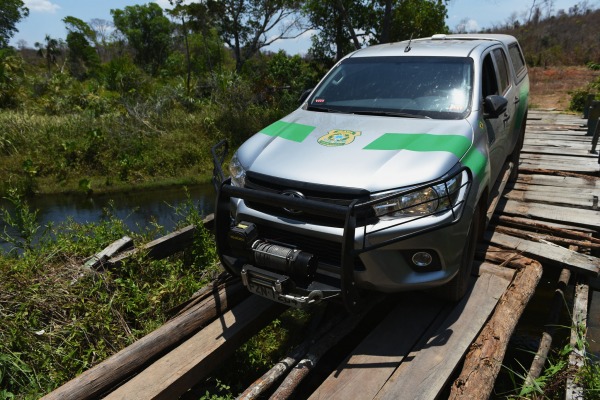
(59,319)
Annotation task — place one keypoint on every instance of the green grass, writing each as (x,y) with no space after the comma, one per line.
(59,319)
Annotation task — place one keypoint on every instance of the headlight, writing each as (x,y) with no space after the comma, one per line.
(237,171)
(422,202)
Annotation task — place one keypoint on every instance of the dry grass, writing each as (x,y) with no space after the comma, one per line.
(551,86)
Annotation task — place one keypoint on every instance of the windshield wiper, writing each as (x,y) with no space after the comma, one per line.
(323,109)
(390,114)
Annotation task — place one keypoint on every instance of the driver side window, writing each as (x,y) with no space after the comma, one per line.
(489,84)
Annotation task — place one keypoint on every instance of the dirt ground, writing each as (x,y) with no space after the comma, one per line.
(551,86)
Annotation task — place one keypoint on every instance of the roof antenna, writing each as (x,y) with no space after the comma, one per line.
(408,48)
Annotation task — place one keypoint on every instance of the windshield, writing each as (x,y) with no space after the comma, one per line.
(421,87)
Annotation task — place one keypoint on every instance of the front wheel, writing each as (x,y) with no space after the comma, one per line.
(457,287)
(515,156)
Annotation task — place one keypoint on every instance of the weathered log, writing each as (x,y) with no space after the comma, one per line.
(548,238)
(114,370)
(539,226)
(193,360)
(555,172)
(317,350)
(319,328)
(545,344)
(574,389)
(484,360)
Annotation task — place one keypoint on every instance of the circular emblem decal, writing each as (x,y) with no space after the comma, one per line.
(295,194)
(338,137)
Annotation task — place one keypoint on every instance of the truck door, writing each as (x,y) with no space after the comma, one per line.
(496,81)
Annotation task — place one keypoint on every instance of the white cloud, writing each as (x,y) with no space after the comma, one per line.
(44,6)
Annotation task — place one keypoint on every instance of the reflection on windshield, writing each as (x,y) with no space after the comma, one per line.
(434,87)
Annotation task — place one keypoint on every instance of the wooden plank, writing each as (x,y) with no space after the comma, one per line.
(176,372)
(120,366)
(560,159)
(546,212)
(574,390)
(163,246)
(484,360)
(100,258)
(561,151)
(547,253)
(371,364)
(593,331)
(552,197)
(564,191)
(540,164)
(570,182)
(429,366)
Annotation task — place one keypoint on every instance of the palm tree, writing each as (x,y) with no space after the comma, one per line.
(50,50)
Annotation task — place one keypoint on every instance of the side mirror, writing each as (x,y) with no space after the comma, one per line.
(305,95)
(494,106)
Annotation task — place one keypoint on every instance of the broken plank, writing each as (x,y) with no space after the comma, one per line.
(428,368)
(177,371)
(371,364)
(547,212)
(548,253)
(100,258)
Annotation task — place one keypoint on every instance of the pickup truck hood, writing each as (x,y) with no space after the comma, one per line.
(375,153)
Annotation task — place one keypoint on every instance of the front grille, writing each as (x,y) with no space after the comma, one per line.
(328,194)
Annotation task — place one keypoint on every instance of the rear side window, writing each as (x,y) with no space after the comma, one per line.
(517,59)
(502,65)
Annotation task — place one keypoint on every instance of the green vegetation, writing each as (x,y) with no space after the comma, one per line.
(141,107)
(59,319)
(579,97)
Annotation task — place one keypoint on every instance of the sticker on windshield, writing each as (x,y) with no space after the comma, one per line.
(338,137)
(319,100)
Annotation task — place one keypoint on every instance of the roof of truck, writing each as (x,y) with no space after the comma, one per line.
(438,45)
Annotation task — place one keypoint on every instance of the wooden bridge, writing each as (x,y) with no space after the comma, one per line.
(415,347)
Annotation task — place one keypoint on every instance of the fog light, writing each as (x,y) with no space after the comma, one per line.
(422,259)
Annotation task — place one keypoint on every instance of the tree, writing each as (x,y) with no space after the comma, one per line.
(375,21)
(11,12)
(49,51)
(82,56)
(147,31)
(337,27)
(247,26)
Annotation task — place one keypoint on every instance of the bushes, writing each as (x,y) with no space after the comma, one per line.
(59,319)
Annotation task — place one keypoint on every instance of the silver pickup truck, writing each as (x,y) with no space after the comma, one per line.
(380,180)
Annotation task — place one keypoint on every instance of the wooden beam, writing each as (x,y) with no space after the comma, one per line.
(429,366)
(546,212)
(120,366)
(547,253)
(100,258)
(370,365)
(483,363)
(575,390)
(186,365)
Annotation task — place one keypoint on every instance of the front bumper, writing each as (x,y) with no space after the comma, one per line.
(353,249)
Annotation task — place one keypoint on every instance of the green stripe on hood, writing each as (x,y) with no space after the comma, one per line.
(455,144)
(288,130)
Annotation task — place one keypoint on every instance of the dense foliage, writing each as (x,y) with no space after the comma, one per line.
(60,318)
(143,105)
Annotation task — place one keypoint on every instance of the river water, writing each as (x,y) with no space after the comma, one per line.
(137,209)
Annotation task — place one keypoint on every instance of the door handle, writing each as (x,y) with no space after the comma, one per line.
(505,119)
(517,99)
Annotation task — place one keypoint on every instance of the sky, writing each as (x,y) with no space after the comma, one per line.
(45,17)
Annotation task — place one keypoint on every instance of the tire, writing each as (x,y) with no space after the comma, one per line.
(515,156)
(457,288)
